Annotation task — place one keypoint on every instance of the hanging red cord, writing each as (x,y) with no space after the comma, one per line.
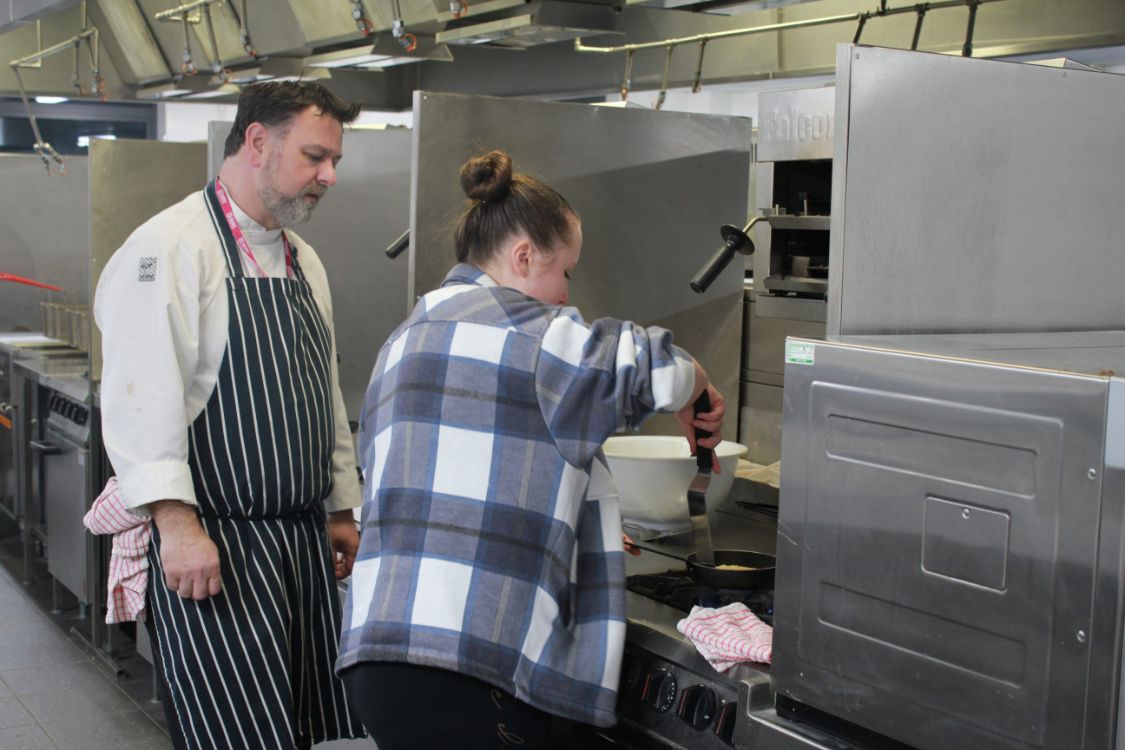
(29,282)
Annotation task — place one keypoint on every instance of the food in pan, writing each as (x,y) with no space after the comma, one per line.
(733,567)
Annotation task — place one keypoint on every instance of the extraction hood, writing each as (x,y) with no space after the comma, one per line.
(538,22)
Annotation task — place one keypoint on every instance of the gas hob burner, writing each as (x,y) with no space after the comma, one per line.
(679,590)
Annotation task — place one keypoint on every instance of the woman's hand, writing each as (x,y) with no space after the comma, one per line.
(628,542)
(709,421)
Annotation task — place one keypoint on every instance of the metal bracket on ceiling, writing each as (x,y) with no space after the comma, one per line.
(859,18)
(921,10)
(967,50)
(183,14)
(89,35)
(664,80)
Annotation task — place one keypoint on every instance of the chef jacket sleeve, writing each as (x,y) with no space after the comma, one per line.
(147,306)
(593,380)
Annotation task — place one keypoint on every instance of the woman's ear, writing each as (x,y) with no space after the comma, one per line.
(519,255)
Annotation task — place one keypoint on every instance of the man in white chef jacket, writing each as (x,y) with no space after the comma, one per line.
(223,418)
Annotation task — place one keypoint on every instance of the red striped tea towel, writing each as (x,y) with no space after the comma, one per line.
(728,635)
(128,563)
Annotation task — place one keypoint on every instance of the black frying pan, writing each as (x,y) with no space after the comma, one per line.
(760,575)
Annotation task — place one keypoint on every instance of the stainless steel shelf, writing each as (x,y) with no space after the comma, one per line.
(800,284)
(787,221)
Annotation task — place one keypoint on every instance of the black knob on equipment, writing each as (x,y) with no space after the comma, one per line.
(659,690)
(697,706)
(728,715)
(630,671)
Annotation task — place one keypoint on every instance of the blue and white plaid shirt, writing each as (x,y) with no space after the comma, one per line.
(491,541)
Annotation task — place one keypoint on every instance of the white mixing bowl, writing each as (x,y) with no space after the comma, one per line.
(653,473)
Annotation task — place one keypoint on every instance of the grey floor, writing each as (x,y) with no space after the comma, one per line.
(55,695)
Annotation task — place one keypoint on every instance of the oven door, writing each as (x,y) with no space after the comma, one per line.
(64,462)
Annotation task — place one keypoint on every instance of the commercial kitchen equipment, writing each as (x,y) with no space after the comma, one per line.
(650,188)
(64,455)
(30,412)
(793,197)
(949,560)
(669,696)
(46,237)
(14,346)
(974,195)
(949,551)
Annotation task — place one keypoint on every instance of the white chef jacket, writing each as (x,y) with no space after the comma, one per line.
(161,305)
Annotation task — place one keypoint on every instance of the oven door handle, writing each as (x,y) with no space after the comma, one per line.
(46,448)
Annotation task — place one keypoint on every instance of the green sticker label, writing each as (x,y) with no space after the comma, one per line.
(799,353)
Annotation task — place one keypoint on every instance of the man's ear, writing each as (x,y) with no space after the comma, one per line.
(257,140)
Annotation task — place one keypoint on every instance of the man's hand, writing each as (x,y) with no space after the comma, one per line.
(189,557)
(344,538)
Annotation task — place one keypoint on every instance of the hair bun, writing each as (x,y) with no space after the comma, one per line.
(488,177)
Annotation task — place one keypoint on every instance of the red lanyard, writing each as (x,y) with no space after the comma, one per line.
(240,239)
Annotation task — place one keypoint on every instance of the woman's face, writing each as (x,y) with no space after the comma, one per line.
(548,279)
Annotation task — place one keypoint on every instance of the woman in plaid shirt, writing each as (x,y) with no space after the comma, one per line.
(488,593)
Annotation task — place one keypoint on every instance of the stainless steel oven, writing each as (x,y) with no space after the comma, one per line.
(951,570)
(63,456)
(669,696)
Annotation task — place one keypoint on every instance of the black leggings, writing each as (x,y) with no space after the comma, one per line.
(405,706)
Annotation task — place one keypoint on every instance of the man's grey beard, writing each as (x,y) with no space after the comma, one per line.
(288,212)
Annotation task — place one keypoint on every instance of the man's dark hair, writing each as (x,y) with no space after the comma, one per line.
(276,103)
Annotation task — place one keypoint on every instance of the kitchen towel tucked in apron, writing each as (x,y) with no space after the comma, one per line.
(253,666)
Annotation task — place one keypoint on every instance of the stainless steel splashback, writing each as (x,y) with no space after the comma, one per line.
(363,213)
(972,195)
(949,547)
(43,236)
(652,188)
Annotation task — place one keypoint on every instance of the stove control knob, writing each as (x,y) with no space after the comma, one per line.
(630,673)
(728,714)
(659,690)
(697,706)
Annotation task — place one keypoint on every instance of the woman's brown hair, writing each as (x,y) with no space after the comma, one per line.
(502,203)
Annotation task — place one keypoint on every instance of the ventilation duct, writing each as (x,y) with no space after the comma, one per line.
(538,22)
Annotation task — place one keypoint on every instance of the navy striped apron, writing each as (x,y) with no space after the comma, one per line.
(253,666)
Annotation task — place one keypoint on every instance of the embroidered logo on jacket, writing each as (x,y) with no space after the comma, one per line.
(147,269)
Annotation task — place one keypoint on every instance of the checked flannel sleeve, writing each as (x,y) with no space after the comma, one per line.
(593,380)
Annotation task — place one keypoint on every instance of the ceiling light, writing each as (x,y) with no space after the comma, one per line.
(344,58)
(84,140)
(292,69)
(50,99)
(161,91)
(227,89)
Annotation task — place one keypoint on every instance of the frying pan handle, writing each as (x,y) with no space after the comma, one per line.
(654,550)
(702,455)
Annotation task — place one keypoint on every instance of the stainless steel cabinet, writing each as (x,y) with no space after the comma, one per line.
(64,458)
(950,559)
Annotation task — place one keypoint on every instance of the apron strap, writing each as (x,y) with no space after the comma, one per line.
(230,246)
